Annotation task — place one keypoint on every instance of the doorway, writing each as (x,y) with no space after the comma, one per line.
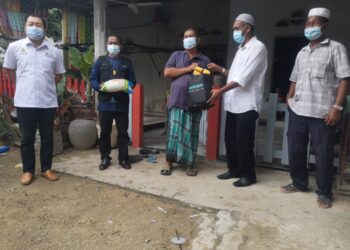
(285,52)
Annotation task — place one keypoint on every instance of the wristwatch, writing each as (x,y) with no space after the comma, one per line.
(337,107)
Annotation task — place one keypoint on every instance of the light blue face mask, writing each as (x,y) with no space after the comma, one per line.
(35,33)
(313,33)
(113,49)
(190,42)
(238,37)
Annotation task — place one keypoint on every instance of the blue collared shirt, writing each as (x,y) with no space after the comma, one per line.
(113,105)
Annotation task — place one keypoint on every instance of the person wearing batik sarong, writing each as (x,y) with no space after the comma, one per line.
(183,125)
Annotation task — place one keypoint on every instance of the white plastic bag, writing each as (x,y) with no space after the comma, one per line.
(116,85)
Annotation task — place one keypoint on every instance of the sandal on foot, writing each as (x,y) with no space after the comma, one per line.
(191,172)
(324,202)
(166,171)
(290,188)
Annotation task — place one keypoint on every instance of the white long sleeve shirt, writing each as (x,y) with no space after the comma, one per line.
(248,70)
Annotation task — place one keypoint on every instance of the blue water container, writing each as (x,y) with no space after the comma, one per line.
(4,149)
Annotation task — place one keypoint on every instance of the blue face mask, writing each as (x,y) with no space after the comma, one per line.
(238,37)
(34,33)
(113,49)
(313,33)
(190,42)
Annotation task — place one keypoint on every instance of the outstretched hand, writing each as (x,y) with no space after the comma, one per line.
(215,93)
(214,67)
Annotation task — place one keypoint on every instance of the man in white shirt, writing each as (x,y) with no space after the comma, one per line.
(36,67)
(242,100)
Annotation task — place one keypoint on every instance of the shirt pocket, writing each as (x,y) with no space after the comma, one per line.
(105,68)
(123,71)
(24,60)
(319,67)
(47,62)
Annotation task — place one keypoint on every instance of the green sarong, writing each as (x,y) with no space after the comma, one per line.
(183,132)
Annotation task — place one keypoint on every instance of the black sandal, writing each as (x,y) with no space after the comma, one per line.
(165,172)
(168,170)
(324,202)
(191,171)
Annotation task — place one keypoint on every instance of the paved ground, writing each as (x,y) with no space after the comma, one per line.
(256,217)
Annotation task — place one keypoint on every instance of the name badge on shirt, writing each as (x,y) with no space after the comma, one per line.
(23,51)
(49,55)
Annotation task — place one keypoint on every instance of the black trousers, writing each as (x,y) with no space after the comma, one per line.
(322,136)
(239,141)
(29,120)
(122,123)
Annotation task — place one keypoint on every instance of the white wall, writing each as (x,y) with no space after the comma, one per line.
(180,14)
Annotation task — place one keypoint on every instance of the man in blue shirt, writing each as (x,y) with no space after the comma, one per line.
(113,106)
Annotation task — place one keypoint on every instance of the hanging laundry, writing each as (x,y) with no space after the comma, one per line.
(81,29)
(13,5)
(72,27)
(5,27)
(89,29)
(16,20)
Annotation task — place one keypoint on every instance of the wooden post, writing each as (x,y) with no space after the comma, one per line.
(137,116)
(213,131)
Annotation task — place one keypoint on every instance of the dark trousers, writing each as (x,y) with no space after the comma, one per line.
(122,123)
(322,136)
(29,120)
(239,141)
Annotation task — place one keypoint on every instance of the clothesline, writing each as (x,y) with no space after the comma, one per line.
(14,12)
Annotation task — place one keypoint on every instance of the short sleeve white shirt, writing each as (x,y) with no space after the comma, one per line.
(248,70)
(35,73)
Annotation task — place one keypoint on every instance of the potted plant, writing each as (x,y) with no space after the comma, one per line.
(82,131)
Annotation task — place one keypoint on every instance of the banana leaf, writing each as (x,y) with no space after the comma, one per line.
(82,62)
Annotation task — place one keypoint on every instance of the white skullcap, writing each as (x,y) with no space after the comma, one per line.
(322,12)
(247,18)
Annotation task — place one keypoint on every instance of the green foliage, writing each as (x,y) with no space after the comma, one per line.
(74,57)
(82,63)
(7,130)
(60,87)
(54,24)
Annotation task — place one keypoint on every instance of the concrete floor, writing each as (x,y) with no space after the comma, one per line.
(256,217)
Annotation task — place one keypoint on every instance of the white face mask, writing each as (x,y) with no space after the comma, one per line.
(190,42)
(113,49)
(34,33)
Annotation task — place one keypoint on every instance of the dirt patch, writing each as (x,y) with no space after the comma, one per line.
(77,213)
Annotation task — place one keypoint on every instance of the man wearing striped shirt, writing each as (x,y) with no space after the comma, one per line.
(316,97)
